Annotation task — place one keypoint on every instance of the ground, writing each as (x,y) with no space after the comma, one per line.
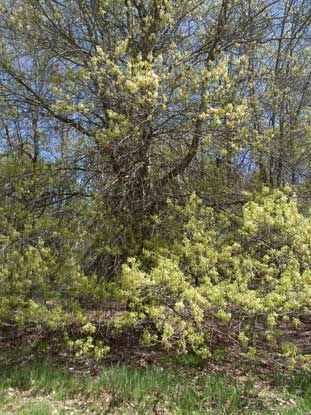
(148,383)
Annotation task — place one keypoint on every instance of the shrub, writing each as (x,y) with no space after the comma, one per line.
(202,286)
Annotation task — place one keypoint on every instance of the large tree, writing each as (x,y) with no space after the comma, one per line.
(147,86)
(129,103)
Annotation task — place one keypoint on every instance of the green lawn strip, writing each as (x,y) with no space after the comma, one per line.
(39,388)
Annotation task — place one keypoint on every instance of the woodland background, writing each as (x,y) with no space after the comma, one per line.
(155,174)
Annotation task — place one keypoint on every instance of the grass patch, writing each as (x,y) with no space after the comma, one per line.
(40,377)
(188,387)
(37,409)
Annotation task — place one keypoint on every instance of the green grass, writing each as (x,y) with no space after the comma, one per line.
(182,388)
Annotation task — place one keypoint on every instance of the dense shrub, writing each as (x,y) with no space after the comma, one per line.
(201,277)
(238,287)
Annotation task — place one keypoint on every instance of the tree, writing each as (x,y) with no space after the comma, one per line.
(149,86)
(111,107)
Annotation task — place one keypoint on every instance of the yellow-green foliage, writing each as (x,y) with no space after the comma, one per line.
(201,277)
(204,284)
(41,280)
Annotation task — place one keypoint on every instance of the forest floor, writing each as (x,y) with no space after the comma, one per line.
(148,382)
